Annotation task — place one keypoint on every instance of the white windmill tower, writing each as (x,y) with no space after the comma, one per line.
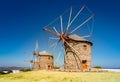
(74,56)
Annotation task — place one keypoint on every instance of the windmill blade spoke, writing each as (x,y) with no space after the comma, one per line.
(36,48)
(88,28)
(86,36)
(52,32)
(61,24)
(53,38)
(69,19)
(57,44)
(29,63)
(66,30)
(54,44)
(82,24)
(76,16)
(59,54)
(56,30)
(28,52)
(56,63)
(92,26)
(33,57)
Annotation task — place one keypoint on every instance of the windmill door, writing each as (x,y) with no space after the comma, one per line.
(84,64)
(49,67)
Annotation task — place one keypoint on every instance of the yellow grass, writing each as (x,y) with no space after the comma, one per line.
(50,76)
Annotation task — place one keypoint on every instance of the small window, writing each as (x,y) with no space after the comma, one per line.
(84,61)
(85,47)
(49,58)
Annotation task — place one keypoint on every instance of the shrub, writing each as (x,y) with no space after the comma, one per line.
(56,67)
(2,71)
(98,67)
(25,70)
(9,71)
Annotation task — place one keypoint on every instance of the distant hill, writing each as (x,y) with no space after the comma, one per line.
(12,68)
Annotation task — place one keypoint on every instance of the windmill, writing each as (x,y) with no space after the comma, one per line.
(31,63)
(72,53)
(34,62)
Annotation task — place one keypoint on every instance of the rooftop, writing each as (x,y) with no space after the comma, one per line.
(76,37)
(45,53)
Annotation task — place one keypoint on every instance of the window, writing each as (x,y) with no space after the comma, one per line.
(84,61)
(49,58)
(85,47)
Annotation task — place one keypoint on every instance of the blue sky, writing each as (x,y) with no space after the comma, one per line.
(21,23)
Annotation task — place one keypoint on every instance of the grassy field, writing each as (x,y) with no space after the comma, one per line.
(49,76)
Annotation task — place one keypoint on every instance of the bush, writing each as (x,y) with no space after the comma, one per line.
(25,70)
(2,72)
(98,67)
(9,71)
(56,67)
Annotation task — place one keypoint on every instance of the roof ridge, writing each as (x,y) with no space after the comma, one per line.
(77,37)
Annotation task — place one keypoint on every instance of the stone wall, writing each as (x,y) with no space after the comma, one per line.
(46,62)
(74,58)
(36,65)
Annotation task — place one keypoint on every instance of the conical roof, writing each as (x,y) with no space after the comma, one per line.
(76,37)
(45,53)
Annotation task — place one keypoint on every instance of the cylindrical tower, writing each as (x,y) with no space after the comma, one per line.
(78,54)
(46,60)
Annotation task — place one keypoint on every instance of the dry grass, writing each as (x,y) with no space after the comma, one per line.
(49,76)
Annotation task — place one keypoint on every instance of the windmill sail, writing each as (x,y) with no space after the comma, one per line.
(63,27)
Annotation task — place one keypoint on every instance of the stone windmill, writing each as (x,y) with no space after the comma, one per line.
(40,60)
(77,50)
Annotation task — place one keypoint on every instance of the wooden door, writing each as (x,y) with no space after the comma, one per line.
(49,67)
(84,64)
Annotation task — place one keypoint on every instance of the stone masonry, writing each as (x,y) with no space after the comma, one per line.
(45,61)
(75,58)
